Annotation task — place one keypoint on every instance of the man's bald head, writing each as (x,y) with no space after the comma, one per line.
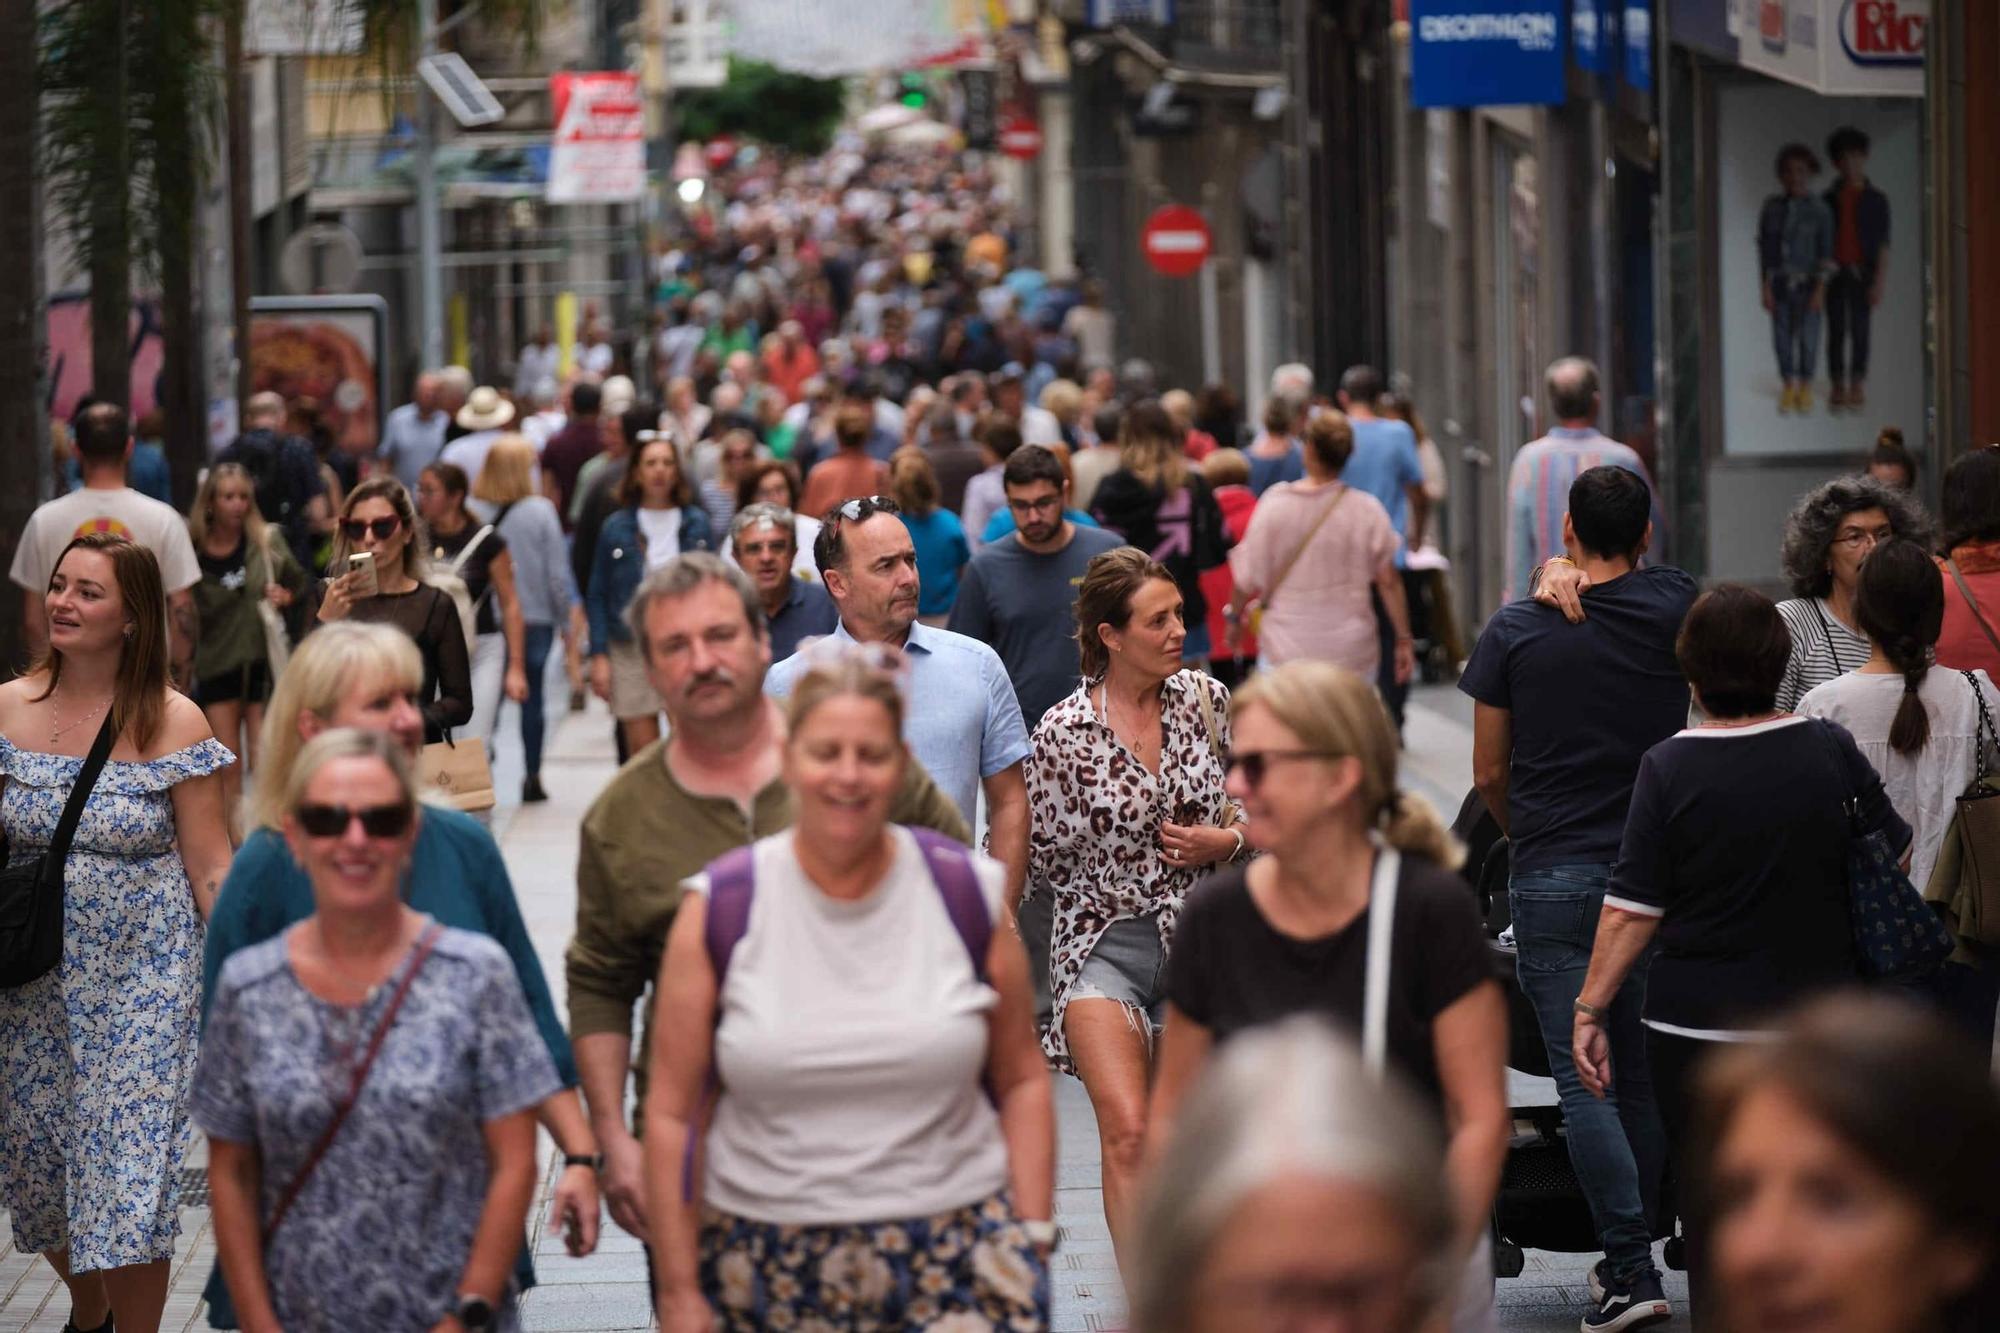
(1572,386)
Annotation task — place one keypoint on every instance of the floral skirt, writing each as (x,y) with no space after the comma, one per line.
(966,1271)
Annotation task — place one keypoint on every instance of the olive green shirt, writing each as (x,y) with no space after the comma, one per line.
(643,835)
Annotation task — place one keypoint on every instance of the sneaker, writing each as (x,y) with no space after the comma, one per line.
(1803,400)
(1639,1305)
(1856,399)
(531,791)
(1598,1280)
(1836,398)
(69,1326)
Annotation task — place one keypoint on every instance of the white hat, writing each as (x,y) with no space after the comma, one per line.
(485,409)
(618,393)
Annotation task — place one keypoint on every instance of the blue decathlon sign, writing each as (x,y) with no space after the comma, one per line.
(1593,34)
(1639,44)
(1488,52)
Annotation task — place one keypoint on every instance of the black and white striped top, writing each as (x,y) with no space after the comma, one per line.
(1822,648)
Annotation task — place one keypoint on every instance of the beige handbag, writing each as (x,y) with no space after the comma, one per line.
(455,775)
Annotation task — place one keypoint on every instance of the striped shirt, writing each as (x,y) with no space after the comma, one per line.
(1822,648)
(1538,495)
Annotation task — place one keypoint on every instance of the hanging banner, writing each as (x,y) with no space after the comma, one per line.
(1487,53)
(1839,48)
(1593,34)
(1639,44)
(599,153)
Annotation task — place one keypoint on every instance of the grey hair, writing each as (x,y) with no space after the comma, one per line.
(347,743)
(1293,382)
(681,576)
(1293,1099)
(1810,528)
(1571,383)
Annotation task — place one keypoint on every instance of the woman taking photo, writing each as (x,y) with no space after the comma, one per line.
(1829,534)
(477,553)
(657,520)
(1314,551)
(1359,878)
(1154,502)
(880,1094)
(935,531)
(96,1055)
(367,1083)
(532,529)
(1296,1192)
(378,521)
(1735,858)
(1834,1208)
(1125,791)
(243,562)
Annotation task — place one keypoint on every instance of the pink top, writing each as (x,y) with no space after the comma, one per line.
(1321,610)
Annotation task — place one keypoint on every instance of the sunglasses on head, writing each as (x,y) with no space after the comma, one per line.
(865,506)
(377,821)
(381,527)
(1255,763)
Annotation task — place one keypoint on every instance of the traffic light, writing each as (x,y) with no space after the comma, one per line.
(914,95)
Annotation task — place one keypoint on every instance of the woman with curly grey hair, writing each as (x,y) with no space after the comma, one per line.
(1828,535)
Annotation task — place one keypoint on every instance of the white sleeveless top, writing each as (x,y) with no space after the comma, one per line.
(851,1051)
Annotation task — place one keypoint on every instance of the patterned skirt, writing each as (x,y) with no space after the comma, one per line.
(966,1271)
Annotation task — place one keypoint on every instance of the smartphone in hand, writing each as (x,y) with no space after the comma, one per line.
(361,564)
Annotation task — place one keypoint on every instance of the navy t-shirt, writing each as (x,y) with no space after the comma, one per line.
(1587,702)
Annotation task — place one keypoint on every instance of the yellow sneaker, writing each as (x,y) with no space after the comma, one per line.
(1802,402)
(1785,399)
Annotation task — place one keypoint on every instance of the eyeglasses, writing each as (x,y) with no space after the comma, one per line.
(1854,539)
(866,506)
(1255,762)
(377,821)
(1047,504)
(383,528)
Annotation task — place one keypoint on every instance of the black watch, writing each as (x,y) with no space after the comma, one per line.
(593,1160)
(474,1312)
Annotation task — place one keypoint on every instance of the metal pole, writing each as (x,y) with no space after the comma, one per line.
(430,270)
(236,92)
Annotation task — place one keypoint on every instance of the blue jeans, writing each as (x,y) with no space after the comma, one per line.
(1794,327)
(535,645)
(1617,1145)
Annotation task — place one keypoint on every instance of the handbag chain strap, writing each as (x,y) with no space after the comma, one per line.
(1987,735)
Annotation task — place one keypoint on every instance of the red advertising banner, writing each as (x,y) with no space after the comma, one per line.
(599,153)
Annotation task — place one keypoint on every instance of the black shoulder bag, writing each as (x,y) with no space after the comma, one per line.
(31,893)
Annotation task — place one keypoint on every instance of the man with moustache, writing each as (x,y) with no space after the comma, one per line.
(964,725)
(712,784)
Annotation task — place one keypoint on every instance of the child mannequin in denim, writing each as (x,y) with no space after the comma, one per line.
(1794,256)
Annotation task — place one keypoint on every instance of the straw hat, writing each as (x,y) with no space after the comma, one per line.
(485,409)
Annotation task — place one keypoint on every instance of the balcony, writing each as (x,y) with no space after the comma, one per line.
(1229,36)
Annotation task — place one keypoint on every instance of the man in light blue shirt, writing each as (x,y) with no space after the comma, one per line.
(964,724)
(1384,464)
(413,436)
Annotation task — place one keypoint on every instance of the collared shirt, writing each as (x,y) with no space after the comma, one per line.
(410,444)
(1538,495)
(643,835)
(807,613)
(963,724)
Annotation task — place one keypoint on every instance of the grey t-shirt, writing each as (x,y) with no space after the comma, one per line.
(1021,604)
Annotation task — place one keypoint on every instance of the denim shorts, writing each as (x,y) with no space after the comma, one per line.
(1127,965)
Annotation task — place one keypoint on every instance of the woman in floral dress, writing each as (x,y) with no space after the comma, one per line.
(96,1056)
(1125,793)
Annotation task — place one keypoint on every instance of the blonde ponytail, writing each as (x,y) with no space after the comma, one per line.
(1411,825)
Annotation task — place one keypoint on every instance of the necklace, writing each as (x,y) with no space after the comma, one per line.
(1138,741)
(58,728)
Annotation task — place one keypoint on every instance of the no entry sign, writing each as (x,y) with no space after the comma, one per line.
(1176,241)
(1020,138)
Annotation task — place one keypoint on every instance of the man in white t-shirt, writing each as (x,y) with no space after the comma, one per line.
(104,503)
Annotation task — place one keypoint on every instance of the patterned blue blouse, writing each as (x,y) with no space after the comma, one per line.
(379,1237)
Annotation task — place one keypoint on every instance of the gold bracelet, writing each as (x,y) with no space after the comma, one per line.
(1590,1011)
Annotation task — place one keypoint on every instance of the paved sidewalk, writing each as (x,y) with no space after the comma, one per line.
(607,1291)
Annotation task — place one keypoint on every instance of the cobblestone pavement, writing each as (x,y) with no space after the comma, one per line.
(607,1291)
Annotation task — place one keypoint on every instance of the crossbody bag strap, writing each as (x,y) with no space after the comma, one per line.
(1381,942)
(1972,604)
(425,943)
(1826,632)
(79,796)
(1987,735)
(1208,719)
(1285,569)
(458,561)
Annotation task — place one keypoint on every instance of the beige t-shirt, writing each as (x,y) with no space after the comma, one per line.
(125,511)
(1321,610)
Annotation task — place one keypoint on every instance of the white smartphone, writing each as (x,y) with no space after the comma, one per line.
(362,564)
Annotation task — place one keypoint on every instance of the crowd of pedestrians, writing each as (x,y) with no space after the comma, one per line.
(985,711)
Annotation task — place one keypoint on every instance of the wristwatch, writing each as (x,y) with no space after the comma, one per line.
(1594,1013)
(474,1312)
(1040,1232)
(593,1160)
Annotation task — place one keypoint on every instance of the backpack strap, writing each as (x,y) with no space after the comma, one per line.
(732,883)
(958,884)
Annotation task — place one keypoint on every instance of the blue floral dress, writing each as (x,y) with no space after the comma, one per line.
(378,1237)
(97,1056)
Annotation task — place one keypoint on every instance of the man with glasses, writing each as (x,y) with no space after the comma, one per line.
(764,540)
(965,723)
(711,785)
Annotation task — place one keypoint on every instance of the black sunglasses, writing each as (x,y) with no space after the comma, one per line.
(377,821)
(381,527)
(1255,762)
(866,506)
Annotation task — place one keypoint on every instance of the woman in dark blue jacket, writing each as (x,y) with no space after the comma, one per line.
(658,520)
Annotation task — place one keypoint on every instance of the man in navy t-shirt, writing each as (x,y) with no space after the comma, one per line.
(1563,715)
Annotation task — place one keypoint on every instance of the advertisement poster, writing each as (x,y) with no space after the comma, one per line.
(599,155)
(1821,289)
(330,353)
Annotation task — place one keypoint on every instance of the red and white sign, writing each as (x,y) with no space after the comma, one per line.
(599,153)
(1839,48)
(1176,241)
(1020,138)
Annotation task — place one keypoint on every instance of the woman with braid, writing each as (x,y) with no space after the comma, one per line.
(1920,726)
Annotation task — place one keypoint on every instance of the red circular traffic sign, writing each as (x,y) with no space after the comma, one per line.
(1176,241)
(1020,138)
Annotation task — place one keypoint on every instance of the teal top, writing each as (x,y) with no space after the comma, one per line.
(456,875)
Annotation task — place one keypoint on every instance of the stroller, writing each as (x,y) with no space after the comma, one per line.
(1541,1204)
